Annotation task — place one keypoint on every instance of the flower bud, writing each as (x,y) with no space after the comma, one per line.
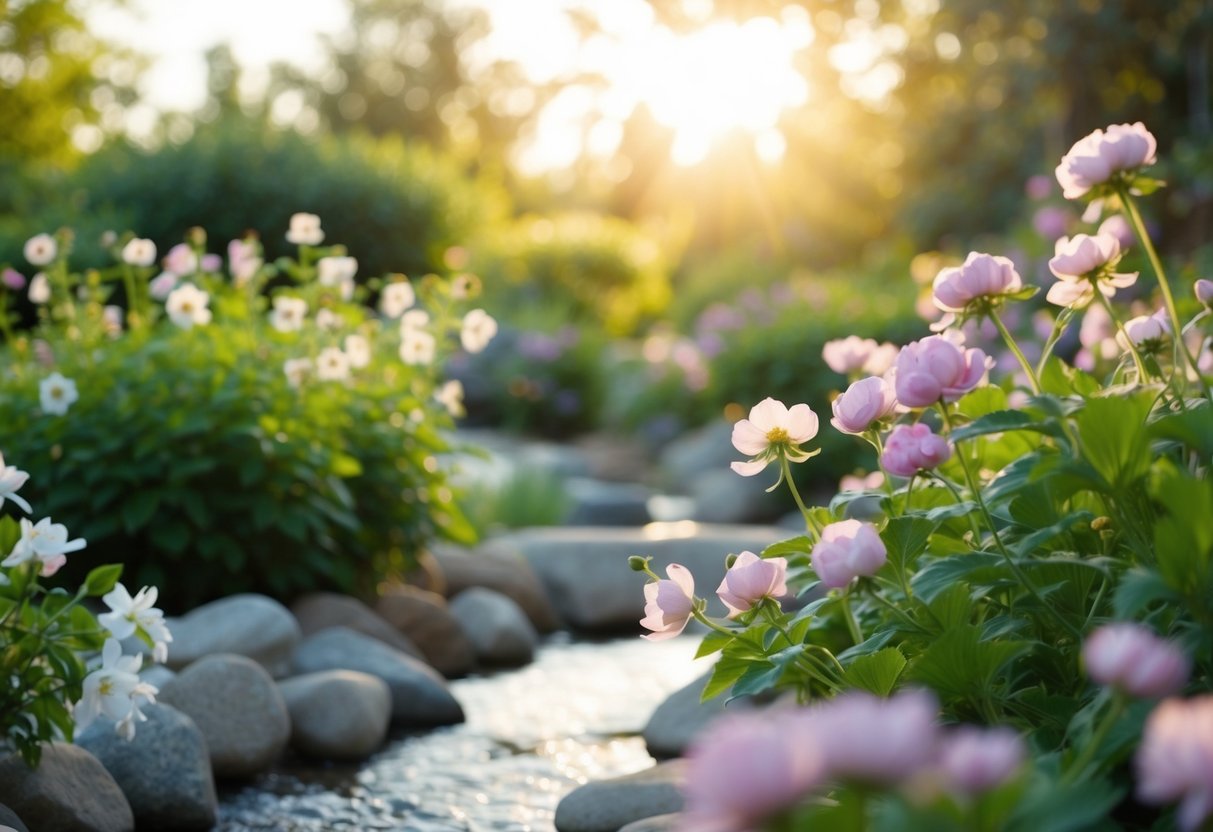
(1204,291)
(13,279)
(1130,658)
(638,564)
(913,448)
(847,550)
(750,579)
(864,403)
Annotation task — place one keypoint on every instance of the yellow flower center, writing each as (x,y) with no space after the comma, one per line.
(106,687)
(777,435)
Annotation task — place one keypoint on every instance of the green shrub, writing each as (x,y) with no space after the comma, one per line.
(399,207)
(191,457)
(591,269)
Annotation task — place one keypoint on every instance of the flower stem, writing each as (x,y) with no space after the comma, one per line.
(810,523)
(1033,381)
(1168,299)
(1142,375)
(1020,575)
(849,616)
(710,624)
(1059,326)
(1097,738)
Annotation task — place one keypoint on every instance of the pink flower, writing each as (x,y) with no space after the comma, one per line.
(668,604)
(1038,187)
(1130,658)
(980,276)
(934,369)
(1204,291)
(181,260)
(162,285)
(847,550)
(243,260)
(13,279)
(747,766)
(1117,226)
(913,448)
(773,431)
(1095,158)
(975,760)
(1175,759)
(1147,332)
(1083,263)
(1051,222)
(848,355)
(875,741)
(211,262)
(751,579)
(864,403)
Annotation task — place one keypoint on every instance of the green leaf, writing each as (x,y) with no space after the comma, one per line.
(952,608)
(793,546)
(102,579)
(1192,427)
(876,672)
(1138,589)
(139,508)
(712,642)
(905,539)
(976,568)
(1060,379)
(1002,421)
(959,665)
(984,400)
(1113,437)
(724,674)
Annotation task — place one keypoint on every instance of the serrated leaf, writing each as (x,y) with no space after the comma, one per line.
(959,665)
(1137,590)
(800,545)
(876,672)
(712,643)
(905,539)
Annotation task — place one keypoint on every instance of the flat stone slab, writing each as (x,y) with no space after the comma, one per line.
(585,569)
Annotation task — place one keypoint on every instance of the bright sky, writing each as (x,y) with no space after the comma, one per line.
(719,78)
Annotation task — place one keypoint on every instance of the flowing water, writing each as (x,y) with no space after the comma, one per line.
(531,736)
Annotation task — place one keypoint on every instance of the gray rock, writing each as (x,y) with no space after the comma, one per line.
(156,675)
(321,610)
(419,694)
(248,625)
(607,805)
(721,496)
(658,823)
(238,709)
(585,570)
(165,771)
(681,717)
(70,791)
(424,618)
(9,818)
(497,627)
(500,569)
(337,714)
(709,448)
(598,503)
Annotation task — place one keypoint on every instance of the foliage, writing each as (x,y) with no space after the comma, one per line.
(1068,505)
(547,383)
(587,268)
(191,447)
(403,207)
(526,496)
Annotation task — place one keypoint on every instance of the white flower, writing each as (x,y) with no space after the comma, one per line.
(129,614)
(478,329)
(450,395)
(327,319)
(417,347)
(305,230)
(40,250)
(414,319)
(45,542)
(1148,332)
(332,365)
(139,252)
(297,370)
(57,394)
(39,289)
(357,350)
(396,298)
(288,313)
(11,480)
(187,306)
(111,319)
(464,286)
(162,285)
(114,689)
(333,271)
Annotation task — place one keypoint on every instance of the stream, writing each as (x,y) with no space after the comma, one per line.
(531,736)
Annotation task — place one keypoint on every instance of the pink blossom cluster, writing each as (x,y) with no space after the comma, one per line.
(670,602)
(748,767)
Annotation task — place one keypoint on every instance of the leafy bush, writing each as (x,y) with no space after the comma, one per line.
(190,450)
(588,268)
(400,207)
(988,646)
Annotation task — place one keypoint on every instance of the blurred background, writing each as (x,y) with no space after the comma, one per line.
(672,203)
